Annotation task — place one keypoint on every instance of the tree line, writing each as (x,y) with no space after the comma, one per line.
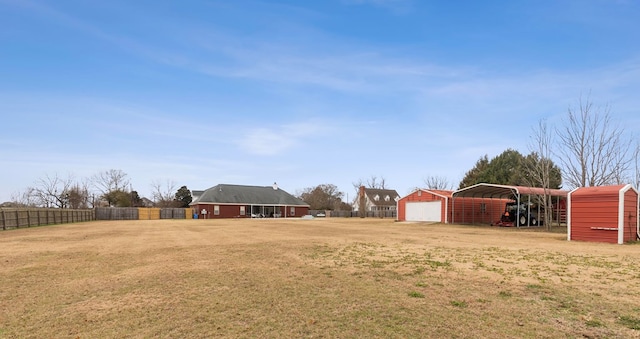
(110,188)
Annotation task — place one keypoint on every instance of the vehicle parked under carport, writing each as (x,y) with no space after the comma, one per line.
(518,215)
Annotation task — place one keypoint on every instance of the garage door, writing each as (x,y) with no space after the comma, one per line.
(424,211)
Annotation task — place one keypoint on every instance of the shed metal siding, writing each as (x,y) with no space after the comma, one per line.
(593,210)
(477,210)
(630,222)
(596,212)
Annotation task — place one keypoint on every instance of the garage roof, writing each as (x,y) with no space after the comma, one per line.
(504,191)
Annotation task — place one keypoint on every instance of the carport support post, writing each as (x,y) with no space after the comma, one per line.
(517,221)
(453,209)
(528,210)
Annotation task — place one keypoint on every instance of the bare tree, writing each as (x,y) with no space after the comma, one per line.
(163,194)
(323,197)
(636,166)
(53,191)
(375,182)
(78,195)
(25,199)
(435,182)
(593,150)
(372,182)
(538,168)
(111,180)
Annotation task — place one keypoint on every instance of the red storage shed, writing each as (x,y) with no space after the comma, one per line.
(603,214)
(428,205)
(425,205)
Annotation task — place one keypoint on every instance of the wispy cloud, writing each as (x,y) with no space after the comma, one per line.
(278,139)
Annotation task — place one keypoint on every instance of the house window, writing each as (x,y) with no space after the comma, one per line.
(292,211)
(216,209)
(376,198)
(387,198)
(419,193)
(242,210)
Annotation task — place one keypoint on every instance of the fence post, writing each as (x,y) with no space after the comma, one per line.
(4,220)
(17,218)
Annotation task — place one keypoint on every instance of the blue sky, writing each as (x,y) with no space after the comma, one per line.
(298,92)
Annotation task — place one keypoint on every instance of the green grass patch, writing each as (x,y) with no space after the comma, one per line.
(415,294)
(594,323)
(504,294)
(459,303)
(436,264)
(630,322)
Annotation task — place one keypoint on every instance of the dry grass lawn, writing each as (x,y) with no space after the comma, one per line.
(333,278)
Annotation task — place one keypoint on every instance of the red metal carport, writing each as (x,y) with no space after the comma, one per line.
(425,205)
(519,194)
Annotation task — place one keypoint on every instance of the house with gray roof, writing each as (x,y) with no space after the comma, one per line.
(376,200)
(240,201)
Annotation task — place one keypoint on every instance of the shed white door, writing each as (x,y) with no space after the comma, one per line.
(424,211)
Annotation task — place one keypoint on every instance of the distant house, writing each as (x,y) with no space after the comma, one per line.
(239,201)
(146,202)
(376,200)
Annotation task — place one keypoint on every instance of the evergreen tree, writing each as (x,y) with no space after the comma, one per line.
(508,168)
(183,197)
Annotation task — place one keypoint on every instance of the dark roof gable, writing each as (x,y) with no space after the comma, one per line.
(249,195)
(382,195)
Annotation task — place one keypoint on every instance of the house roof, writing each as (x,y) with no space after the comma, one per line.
(504,191)
(382,194)
(248,195)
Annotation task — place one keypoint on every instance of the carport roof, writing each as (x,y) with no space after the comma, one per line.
(504,191)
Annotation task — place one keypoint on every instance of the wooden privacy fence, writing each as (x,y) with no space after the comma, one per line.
(26,217)
(142,213)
